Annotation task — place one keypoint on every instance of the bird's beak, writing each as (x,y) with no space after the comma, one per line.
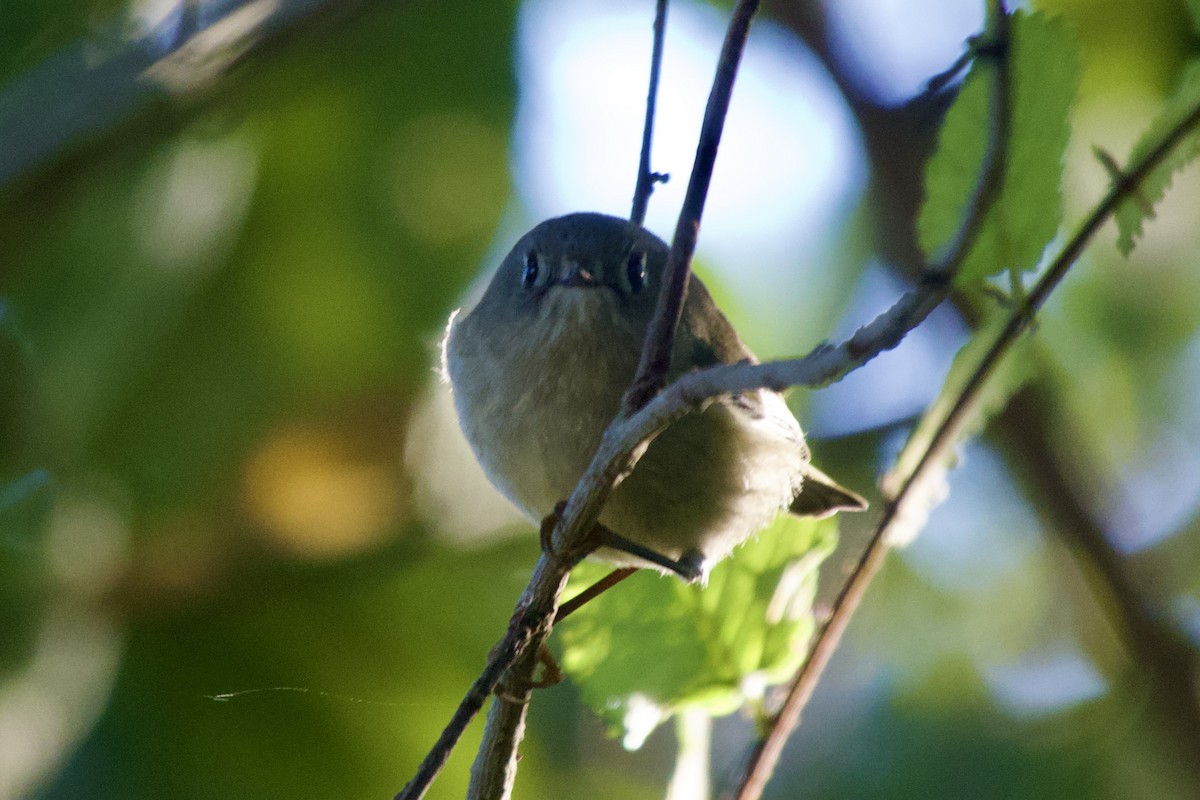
(575,275)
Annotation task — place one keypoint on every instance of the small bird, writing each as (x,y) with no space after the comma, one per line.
(538,370)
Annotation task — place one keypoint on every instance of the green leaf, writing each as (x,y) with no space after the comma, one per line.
(654,645)
(1194,7)
(1044,70)
(1132,213)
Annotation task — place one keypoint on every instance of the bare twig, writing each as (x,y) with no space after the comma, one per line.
(592,592)
(549,577)
(897,514)
(645,178)
(660,336)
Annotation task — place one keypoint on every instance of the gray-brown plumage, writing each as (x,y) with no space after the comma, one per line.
(538,370)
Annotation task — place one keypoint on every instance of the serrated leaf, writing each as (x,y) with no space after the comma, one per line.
(654,645)
(1044,68)
(1132,213)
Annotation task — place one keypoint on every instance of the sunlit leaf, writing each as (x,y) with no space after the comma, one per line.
(654,645)
(1133,212)
(1024,218)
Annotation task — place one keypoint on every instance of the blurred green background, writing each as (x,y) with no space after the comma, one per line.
(242,552)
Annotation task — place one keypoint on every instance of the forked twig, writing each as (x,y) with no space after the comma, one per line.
(646,178)
(660,336)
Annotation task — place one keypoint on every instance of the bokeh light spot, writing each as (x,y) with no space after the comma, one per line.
(315,499)
(191,206)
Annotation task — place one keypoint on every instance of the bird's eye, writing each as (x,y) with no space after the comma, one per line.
(635,271)
(529,275)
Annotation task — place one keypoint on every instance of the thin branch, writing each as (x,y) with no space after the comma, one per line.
(660,336)
(476,696)
(524,628)
(645,178)
(902,513)
(764,755)
(592,592)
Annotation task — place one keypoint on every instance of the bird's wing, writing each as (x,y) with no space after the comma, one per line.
(712,341)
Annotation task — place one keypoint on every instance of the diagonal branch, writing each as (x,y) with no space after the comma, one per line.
(904,512)
(764,754)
